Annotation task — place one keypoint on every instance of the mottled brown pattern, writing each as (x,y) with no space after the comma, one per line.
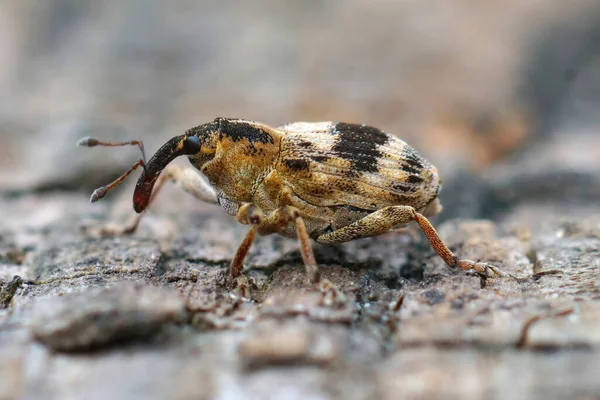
(390,173)
(323,169)
(319,168)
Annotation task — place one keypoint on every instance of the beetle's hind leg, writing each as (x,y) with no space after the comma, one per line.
(382,221)
(186,178)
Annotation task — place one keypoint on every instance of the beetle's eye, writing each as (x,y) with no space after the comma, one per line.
(191,145)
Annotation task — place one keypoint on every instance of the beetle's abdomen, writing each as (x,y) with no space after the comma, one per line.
(331,164)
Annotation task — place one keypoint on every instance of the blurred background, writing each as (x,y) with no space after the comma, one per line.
(503,96)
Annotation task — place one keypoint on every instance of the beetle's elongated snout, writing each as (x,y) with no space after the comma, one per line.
(178,146)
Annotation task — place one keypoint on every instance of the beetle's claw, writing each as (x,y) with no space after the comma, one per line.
(492,272)
(243,287)
(331,294)
(483,269)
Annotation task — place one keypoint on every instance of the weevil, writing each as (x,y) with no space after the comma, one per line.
(331,182)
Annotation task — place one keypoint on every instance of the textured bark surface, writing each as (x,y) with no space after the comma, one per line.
(168,327)
(151,316)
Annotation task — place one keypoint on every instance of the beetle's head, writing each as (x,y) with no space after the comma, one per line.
(197,143)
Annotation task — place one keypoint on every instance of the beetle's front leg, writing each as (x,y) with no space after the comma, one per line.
(247,214)
(186,178)
(251,215)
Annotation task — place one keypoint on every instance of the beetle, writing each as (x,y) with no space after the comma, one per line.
(331,182)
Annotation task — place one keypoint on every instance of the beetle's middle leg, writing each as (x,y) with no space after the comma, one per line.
(187,178)
(276,222)
(382,221)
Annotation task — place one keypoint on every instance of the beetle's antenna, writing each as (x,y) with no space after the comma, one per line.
(92,142)
(101,191)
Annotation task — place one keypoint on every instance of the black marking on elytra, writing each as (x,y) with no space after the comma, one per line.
(305,144)
(414,179)
(359,144)
(402,188)
(402,199)
(296,164)
(352,173)
(240,130)
(409,169)
(319,158)
(415,162)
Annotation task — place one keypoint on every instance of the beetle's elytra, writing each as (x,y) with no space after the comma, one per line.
(329,181)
